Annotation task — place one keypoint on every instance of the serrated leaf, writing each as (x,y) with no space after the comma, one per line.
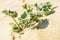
(14,27)
(47,2)
(36,5)
(24,15)
(13,14)
(45,13)
(25,21)
(25,6)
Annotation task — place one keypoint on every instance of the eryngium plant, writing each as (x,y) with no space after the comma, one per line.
(31,15)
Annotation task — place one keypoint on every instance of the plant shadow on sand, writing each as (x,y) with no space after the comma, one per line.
(45,22)
(43,25)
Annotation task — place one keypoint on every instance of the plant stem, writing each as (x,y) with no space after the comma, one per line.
(13,37)
(19,27)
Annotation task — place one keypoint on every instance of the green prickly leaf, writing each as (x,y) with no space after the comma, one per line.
(24,15)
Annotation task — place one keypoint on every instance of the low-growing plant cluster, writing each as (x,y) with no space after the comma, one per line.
(32,14)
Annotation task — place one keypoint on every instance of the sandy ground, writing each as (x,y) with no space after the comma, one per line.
(51,32)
